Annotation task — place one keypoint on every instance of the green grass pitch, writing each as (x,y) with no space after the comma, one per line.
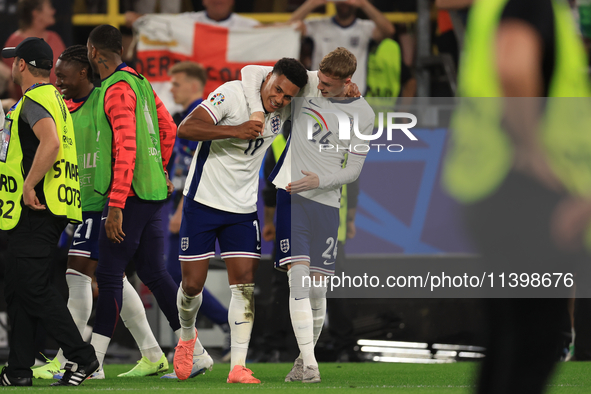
(336,378)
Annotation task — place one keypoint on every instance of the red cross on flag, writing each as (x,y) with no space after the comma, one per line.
(164,40)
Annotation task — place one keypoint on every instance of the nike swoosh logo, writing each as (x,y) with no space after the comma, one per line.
(103,218)
(314,104)
(325,263)
(303,298)
(258,247)
(77,243)
(242,322)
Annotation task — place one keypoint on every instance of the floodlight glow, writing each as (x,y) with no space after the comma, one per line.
(471,355)
(443,346)
(395,350)
(371,342)
(446,353)
(412,360)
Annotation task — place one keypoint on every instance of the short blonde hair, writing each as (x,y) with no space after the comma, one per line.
(339,64)
(191,69)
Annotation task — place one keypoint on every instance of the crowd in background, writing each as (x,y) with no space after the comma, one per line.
(52,20)
(358,25)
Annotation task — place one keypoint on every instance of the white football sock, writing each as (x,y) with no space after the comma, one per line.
(318,304)
(133,315)
(300,311)
(61,358)
(80,298)
(100,344)
(79,302)
(241,319)
(188,308)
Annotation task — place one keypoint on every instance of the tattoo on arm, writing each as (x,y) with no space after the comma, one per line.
(103,62)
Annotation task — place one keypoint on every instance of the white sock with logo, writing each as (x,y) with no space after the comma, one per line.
(133,315)
(188,308)
(300,311)
(241,319)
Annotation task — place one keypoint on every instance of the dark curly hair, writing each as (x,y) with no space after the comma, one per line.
(78,54)
(106,38)
(293,70)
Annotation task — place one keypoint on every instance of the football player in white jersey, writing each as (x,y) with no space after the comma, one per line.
(308,180)
(220,203)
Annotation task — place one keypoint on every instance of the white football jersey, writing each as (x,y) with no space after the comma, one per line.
(224,174)
(305,154)
(328,36)
(311,88)
(234,21)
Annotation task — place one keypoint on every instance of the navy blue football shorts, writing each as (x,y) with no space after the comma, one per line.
(238,234)
(306,231)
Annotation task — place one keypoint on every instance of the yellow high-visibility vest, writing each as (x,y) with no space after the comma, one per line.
(60,184)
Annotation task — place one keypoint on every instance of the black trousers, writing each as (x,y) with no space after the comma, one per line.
(32,299)
(511,229)
(582,329)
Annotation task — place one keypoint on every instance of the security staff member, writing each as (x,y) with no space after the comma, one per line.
(39,195)
(525,196)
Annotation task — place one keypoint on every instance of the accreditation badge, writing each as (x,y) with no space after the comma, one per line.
(5,139)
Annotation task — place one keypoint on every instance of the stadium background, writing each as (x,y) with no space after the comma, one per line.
(420,221)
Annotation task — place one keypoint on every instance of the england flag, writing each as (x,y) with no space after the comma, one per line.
(164,40)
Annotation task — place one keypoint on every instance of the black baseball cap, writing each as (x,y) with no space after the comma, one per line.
(35,51)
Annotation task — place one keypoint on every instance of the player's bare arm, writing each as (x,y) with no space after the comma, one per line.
(300,14)
(384,28)
(199,126)
(49,145)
